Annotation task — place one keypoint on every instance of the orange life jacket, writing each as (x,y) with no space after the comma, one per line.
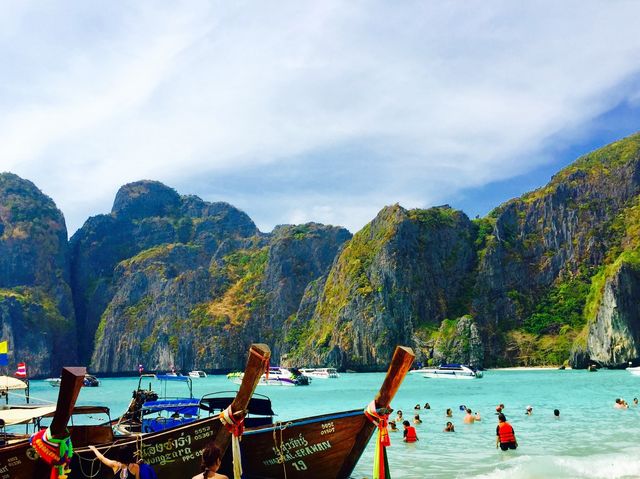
(411,434)
(505,432)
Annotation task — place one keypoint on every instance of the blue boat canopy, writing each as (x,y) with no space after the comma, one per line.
(182,406)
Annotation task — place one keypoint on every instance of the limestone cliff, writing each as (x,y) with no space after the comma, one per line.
(36,310)
(191,284)
(145,215)
(404,272)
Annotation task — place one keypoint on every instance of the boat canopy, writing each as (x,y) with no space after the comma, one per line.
(7,383)
(182,406)
(24,415)
(257,406)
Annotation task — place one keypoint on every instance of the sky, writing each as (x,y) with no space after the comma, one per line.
(312,111)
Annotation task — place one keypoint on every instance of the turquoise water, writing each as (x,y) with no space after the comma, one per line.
(590,440)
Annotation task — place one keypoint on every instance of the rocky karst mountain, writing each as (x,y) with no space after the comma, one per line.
(168,280)
(36,310)
(165,279)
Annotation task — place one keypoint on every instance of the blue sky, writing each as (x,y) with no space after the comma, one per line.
(322,111)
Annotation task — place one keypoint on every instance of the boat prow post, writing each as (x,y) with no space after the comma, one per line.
(257,363)
(401,362)
(72,380)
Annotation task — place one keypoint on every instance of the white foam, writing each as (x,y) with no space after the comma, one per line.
(621,465)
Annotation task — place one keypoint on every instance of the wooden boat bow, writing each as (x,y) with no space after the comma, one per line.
(72,380)
(257,363)
(400,364)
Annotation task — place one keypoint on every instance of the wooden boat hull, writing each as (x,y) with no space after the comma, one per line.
(319,446)
(174,453)
(19,460)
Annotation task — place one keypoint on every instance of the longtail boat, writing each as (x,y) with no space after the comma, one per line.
(18,458)
(173,453)
(319,447)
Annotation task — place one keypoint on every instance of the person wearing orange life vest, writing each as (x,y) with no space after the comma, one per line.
(409,432)
(505,436)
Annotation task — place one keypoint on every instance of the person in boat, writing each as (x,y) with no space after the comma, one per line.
(477,417)
(211,460)
(416,419)
(427,406)
(505,435)
(392,426)
(449,412)
(127,466)
(409,434)
(449,427)
(469,418)
(399,417)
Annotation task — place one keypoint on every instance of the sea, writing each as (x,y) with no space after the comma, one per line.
(591,439)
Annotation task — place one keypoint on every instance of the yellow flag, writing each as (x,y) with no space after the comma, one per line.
(3,347)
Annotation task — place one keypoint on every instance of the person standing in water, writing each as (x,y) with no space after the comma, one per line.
(505,435)
(469,418)
(409,433)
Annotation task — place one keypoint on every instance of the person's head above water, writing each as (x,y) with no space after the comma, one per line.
(556,412)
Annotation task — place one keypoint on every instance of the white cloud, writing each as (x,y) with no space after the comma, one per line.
(342,106)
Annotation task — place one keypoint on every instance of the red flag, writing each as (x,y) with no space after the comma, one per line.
(22,371)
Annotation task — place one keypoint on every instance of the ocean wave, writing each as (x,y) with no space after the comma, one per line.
(619,465)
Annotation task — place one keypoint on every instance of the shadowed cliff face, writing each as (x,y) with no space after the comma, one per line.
(145,215)
(397,275)
(539,260)
(36,311)
(614,336)
(194,284)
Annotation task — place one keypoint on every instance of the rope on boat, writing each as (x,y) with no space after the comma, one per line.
(380,462)
(279,426)
(236,428)
(92,474)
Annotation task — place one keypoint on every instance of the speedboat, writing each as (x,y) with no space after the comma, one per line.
(450,371)
(320,373)
(276,376)
(89,381)
(635,371)
(197,374)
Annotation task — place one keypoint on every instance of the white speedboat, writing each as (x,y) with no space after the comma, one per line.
(635,371)
(277,376)
(197,374)
(320,373)
(450,371)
